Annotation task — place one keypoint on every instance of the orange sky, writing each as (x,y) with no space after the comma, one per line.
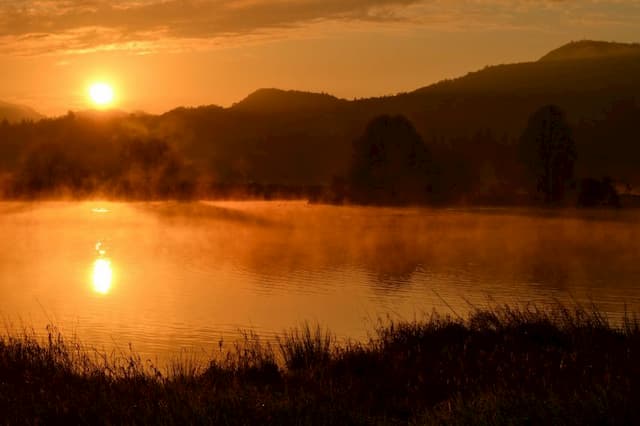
(159,54)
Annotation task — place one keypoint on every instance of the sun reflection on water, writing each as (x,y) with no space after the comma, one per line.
(100,248)
(102,276)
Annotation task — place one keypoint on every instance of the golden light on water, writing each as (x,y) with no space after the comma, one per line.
(100,248)
(102,276)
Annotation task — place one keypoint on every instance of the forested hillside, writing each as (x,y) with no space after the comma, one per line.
(471,127)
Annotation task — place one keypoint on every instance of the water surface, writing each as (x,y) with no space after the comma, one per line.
(171,276)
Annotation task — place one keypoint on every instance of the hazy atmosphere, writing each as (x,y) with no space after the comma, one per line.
(319,212)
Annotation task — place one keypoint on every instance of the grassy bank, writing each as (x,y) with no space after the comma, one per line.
(500,366)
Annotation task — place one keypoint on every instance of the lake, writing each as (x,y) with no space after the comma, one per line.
(168,276)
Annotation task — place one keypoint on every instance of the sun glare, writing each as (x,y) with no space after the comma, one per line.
(101,94)
(102,276)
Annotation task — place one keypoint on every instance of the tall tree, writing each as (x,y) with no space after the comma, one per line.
(390,163)
(548,149)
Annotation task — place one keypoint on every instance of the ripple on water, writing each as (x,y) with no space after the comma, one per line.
(185,275)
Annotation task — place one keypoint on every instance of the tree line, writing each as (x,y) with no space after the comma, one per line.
(391,164)
(200,153)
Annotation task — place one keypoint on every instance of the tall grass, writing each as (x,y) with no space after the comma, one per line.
(504,365)
(306,348)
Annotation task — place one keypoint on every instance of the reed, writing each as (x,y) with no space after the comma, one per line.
(500,365)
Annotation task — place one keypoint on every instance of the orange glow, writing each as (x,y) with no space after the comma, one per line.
(101,94)
(102,276)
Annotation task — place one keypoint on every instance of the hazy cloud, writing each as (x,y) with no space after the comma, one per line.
(76,26)
(85,24)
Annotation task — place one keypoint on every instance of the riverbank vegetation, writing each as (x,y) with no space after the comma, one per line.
(501,365)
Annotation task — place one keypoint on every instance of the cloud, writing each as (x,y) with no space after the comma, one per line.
(183,18)
(142,26)
(76,25)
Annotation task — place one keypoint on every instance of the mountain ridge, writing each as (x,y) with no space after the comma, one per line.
(281,100)
(15,112)
(591,49)
(536,75)
(554,72)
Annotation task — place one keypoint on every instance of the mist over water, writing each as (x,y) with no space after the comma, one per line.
(168,276)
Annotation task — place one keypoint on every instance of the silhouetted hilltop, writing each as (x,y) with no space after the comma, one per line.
(102,114)
(589,49)
(276,100)
(612,73)
(471,126)
(14,113)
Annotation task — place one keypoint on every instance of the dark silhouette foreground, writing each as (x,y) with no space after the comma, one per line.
(500,366)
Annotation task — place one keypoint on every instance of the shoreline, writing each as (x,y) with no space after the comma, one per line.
(500,365)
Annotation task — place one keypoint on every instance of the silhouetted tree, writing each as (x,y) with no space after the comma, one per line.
(598,193)
(548,150)
(338,190)
(390,163)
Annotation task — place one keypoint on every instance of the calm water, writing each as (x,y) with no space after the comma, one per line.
(171,276)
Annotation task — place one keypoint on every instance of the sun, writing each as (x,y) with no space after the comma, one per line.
(101,94)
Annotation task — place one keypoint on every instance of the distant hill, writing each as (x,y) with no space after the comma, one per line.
(14,113)
(502,97)
(584,68)
(589,49)
(276,100)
